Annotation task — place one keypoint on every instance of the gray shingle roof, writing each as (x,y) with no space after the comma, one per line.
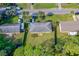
(69,26)
(40,27)
(10,28)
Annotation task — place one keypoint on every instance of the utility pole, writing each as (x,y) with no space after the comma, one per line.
(25,35)
(55,36)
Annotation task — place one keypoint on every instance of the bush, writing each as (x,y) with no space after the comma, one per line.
(3,53)
(19,52)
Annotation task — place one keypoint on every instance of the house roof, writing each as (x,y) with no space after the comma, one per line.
(10,28)
(40,27)
(2,10)
(70,26)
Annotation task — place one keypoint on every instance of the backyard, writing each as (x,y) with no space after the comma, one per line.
(35,39)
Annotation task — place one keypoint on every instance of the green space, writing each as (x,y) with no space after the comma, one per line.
(6,45)
(70,5)
(23,5)
(41,38)
(14,19)
(54,18)
(11,20)
(44,5)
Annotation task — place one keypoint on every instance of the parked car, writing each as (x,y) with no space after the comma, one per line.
(21,27)
(76,13)
(50,14)
(34,15)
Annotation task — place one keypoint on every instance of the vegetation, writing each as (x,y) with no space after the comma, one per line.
(19,52)
(70,5)
(44,5)
(54,18)
(23,5)
(6,45)
(42,44)
(4,4)
(10,20)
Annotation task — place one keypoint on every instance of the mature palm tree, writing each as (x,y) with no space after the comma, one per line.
(41,14)
(26,15)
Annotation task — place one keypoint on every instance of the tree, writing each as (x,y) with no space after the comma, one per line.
(3,53)
(26,15)
(71,46)
(10,12)
(6,44)
(41,14)
(28,50)
(4,4)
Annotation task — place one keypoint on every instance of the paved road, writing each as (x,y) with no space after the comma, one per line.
(53,10)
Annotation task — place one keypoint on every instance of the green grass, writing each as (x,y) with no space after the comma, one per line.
(14,19)
(36,40)
(44,5)
(71,5)
(19,36)
(66,17)
(23,5)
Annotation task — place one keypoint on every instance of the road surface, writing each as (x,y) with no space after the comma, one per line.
(52,10)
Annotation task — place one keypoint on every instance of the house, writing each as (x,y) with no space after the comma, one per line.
(9,28)
(40,27)
(2,10)
(70,27)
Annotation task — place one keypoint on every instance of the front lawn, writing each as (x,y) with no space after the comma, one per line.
(44,5)
(71,5)
(53,18)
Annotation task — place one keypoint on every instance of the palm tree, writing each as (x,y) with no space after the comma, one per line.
(41,14)
(26,15)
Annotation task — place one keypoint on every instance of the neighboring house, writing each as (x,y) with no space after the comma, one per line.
(40,27)
(70,27)
(2,10)
(10,28)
